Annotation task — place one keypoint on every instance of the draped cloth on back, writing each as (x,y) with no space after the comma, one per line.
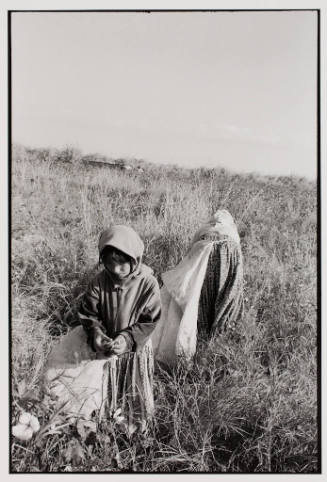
(203,293)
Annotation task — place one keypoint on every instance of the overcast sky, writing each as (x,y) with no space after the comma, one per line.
(232,89)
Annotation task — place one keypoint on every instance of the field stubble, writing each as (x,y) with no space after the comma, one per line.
(249,402)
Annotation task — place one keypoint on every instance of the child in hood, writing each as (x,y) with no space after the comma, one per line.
(122,304)
(106,362)
(119,311)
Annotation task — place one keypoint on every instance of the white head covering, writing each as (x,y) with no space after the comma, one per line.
(222,216)
(222,223)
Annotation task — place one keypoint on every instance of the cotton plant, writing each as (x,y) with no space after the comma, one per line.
(27,426)
(119,419)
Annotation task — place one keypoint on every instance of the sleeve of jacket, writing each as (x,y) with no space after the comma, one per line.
(88,313)
(148,316)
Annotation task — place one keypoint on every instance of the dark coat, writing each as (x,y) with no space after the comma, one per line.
(131,309)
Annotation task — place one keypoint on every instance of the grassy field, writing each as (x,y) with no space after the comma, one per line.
(248,404)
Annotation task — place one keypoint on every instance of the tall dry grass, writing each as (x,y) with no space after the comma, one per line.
(249,402)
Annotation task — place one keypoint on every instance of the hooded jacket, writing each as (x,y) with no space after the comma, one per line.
(130,307)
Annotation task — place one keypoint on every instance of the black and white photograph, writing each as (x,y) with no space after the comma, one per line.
(164,297)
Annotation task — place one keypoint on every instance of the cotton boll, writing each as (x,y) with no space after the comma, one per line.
(22,432)
(34,424)
(29,421)
(119,420)
(132,428)
(117,413)
(25,418)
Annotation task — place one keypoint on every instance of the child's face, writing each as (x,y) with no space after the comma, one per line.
(116,262)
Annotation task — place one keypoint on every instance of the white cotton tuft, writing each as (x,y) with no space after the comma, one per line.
(22,432)
(25,418)
(34,423)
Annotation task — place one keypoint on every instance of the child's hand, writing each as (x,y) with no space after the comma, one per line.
(101,342)
(119,345)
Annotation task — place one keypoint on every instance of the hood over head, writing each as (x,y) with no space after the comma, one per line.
(123,238)
(126,240)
